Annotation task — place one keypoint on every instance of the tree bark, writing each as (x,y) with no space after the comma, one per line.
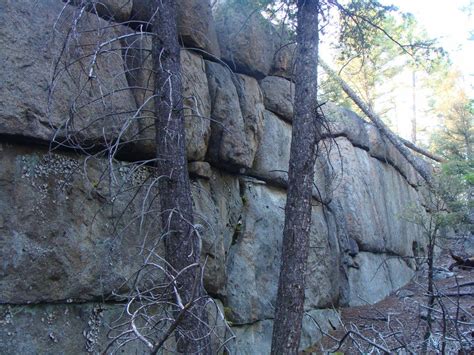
(305,135)
(426,175)
(422,151)
(431,297)
(182,244)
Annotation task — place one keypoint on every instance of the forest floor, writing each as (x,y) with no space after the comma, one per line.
(398,323)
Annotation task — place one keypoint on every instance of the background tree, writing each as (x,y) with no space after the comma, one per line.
(396,45)
(363,53)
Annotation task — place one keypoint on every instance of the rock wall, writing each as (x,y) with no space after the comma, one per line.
(73,228)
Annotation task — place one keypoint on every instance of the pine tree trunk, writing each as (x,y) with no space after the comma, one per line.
(431,298)
(306,132)
(182,244)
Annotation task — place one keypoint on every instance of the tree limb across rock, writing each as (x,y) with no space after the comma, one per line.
(399,143)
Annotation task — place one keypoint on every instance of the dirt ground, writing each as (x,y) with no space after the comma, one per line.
(398,323)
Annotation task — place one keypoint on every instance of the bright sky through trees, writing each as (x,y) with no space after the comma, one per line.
(451,24)
(446,21)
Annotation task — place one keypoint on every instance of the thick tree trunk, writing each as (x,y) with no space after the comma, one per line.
(182,243)
(306,132)
(420,168)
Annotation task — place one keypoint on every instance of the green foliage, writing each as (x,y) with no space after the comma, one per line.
(453,139)
(447,207)
(361,23)
(453,187)
(376,45)
(455,135)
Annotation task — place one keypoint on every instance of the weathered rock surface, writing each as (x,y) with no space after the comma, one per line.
(374,198)
(246,40)
(200,169)
(61,230)
(84,328)
(279,95)
(254,257)
(197,104)
(252,108)
(66,235)
(196,26)
(32,35)
(273,156)
(384,150)
(378,275)
(229,144)
(218,207)
(256,338)
(284,61)
(113,10)
(29,27)
(195,23)
(343,122)
(60,329)
(196,100)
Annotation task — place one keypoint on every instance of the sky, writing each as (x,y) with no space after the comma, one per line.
(446,21)
(451,26)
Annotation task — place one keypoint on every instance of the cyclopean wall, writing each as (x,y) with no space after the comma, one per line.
(69,239)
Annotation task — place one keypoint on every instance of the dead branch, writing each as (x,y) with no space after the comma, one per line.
(463,263)
(424,173)
(422,151)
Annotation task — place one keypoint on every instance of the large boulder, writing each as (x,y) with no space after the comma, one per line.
(197,105)
(273,158)
(195,92)
(284,61)
(234,138)
(68,232)
(60,329)
(252,108)
(254,258)
(279,95)
(375,277)
(88,100)
(112,10)
(195,23)
(64,235)
(196,27)
(273,155)
(344,122)
(217,207)
(375,197)
(247,40)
